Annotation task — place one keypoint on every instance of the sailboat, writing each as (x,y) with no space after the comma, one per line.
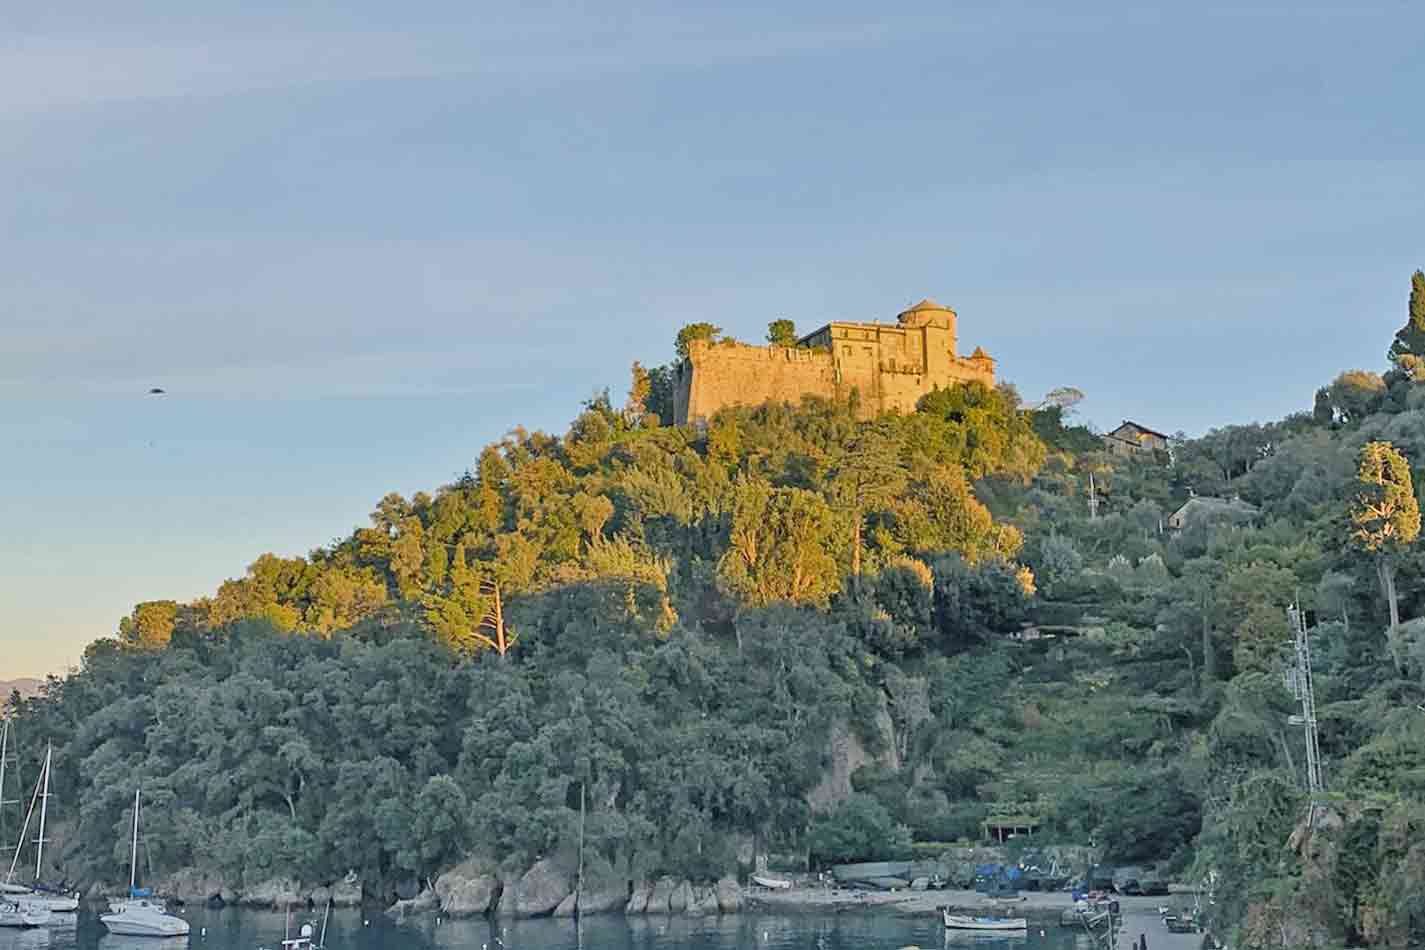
(37,892)
(142,915)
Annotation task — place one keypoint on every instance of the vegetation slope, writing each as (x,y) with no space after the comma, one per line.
(667,623)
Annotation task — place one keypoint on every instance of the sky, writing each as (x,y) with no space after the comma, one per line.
(356,242)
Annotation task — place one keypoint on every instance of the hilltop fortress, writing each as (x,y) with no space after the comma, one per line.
(889,365)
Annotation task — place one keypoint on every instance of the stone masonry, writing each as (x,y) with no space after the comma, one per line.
(890,366)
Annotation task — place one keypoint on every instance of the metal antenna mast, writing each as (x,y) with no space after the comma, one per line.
(1298,679)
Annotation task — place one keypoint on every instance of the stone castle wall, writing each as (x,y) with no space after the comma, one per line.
(736,374)
(890,366)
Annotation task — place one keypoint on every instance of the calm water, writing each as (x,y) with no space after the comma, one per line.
(251,930)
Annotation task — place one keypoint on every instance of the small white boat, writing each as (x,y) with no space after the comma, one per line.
(964,922)
(775,883)
(23,913)
(141,915)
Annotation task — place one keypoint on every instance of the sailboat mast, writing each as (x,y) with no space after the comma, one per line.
(4,760)
(44,807)
(134,848)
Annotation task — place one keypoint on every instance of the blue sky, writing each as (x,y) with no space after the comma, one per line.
(356,242)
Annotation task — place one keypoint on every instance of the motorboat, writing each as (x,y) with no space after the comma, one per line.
(966,922)
(141,917)
(19,912)
(141,914)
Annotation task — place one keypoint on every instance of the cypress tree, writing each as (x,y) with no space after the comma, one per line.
(1410,339)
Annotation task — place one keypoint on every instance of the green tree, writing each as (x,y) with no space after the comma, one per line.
(640,387)
(782,333)
(151,624)
(1385,521)
(694,331)
(1410,339)
(1357,393)
(777,546)
(868,475)
(860,830)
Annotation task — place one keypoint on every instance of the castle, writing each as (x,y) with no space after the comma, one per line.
(889,365)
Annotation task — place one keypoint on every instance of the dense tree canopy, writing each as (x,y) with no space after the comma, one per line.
(681,624)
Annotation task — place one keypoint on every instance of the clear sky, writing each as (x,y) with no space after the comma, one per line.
(356,242)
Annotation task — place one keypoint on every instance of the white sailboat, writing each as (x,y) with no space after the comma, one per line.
(35,893)
(142,915)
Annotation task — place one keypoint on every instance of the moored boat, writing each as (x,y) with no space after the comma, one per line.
(54,899)
(20,912)
(141,915)
(775,883)
(966,922)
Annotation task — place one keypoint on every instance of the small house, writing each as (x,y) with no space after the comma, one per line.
(1132,440)
(1204,508)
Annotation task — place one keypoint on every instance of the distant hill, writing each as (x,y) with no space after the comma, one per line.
(27,686)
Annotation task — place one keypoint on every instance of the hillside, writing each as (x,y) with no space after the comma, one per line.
(698,635)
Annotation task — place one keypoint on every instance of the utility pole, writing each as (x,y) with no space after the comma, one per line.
(1298,680)
(1093,499)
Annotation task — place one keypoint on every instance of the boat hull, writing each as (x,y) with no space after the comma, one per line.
(776,884)
(57,903)
(985,924)
(24,915)
(141,918)
(126,925)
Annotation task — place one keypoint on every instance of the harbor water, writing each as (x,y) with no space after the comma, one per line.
(357,930)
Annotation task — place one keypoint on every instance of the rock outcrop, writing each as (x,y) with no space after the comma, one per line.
(277,892)
(729,896)
(847,753)
(638,900)
(539,892)
(422,902)
(347,894)
(670,896)
(192,886)
(659,897)
(467,890)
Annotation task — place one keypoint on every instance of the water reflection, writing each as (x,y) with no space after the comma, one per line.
(108,941)
(356,930)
